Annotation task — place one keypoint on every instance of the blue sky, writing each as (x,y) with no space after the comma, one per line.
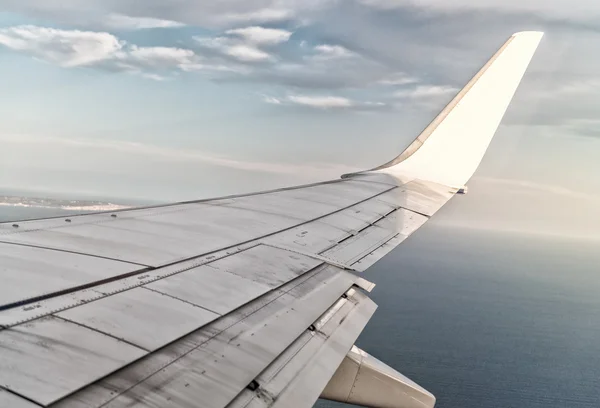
(173,100)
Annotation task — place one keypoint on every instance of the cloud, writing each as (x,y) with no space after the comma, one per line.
(324,102)
(157,57)
(247,44)
(250,53)
(122,22)
(327,52)
(399,78)
(574,88)
(354,53)
(271,100)
(209,14)
(261,15)
(75,48)
(261,35)
(574,127)
(534,187)
(246,53)
(425,91)
(154,77)
(234,48)
(180,154)
(526,206)
(580,9)
(67,48)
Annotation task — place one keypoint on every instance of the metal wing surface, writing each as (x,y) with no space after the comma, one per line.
(243,301)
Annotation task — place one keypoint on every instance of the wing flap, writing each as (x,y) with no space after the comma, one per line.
(297,377)
(30,272)
(46,358)
(135,315)
(13,401)
(221,358)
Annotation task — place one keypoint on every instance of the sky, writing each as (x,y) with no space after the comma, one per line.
(181,99)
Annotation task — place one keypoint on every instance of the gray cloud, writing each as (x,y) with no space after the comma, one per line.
(261,35)
(117,21)
(575,9)
(248,44)
(76,48)
(343,56)
(325,102)
(68,48)
(213,14)
(381,47)
(426,92)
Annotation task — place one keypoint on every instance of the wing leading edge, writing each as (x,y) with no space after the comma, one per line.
(242,301)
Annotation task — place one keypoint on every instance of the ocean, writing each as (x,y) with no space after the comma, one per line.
(481,319)
(490,320)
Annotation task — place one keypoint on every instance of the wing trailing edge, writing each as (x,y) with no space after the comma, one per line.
(450,148)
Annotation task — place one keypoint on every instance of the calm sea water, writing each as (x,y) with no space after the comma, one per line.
(488,320)
(482,320)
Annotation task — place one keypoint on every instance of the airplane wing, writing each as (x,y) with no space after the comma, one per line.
(242,301)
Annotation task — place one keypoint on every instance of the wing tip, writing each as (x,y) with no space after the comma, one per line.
(511,72)
(532,34)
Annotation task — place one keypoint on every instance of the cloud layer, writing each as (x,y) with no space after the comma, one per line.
(295,75)
(67,48)
(248,44)
(395,52)
(75,48)
(88,146)
(577,9)
(117,21)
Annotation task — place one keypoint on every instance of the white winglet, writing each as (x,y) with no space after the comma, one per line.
(363,380)
(449,150)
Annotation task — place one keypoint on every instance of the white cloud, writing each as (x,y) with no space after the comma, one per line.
(374,104)
(326,52)
(324,102)
(160,57)
(425,91)
(123,22)
(261,35)
(247,53)
(67,48)
(154,77)
(271,100)
(234,48)
(263,15)
(245,44)
(321,102)
(397,79)
(75,48)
